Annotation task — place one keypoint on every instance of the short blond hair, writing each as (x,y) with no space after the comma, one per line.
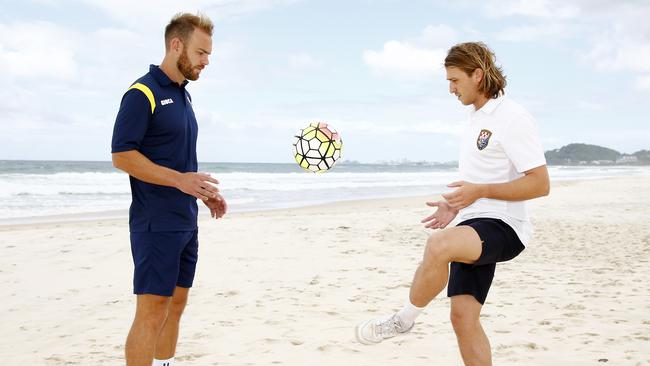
(182,26)
(476,55)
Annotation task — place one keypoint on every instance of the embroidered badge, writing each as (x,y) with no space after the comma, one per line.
(483,139)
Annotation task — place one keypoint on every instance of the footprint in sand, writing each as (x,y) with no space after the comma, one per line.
(315,280)
(190,357)
(337,348)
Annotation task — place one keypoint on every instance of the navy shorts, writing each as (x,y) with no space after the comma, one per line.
(500,244)
(163,260)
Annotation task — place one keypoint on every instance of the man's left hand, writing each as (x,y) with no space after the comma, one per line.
(466,194)
(217,206)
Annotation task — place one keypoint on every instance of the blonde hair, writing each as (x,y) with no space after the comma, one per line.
(476,55)
(182,26)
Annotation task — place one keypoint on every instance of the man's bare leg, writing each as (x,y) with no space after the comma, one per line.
(456,244)
(168,337)
(472,341)
(150,314)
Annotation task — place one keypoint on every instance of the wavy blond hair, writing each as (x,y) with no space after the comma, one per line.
(182,26)
(470,56)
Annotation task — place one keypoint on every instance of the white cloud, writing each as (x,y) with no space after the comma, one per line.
(616,34)
(405,60)
(64,84)
(622,45)
(37,50)
(617,53)
(415,59)
(33,52)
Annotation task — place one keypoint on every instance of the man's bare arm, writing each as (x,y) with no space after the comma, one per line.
(139,166)
(535,183)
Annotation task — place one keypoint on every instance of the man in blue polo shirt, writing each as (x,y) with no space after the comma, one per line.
(154,141)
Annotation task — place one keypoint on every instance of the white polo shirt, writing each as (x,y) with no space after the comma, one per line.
(500,143)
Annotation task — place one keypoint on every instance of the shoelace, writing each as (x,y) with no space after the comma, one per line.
(388,328)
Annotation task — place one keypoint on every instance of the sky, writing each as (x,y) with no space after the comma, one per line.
(373,69)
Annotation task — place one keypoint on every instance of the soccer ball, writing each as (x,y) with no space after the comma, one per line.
(317,147)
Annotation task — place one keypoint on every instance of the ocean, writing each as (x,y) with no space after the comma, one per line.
(41,189)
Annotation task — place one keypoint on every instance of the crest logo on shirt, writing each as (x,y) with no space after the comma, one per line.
(483,139)
(166,101)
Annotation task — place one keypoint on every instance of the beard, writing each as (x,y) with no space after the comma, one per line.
(189,71)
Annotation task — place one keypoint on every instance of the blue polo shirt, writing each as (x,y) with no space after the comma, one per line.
(156,119)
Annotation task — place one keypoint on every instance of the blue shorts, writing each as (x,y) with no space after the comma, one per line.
(163,260)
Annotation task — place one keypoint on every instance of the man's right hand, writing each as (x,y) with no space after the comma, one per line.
(198,185)
(442,217)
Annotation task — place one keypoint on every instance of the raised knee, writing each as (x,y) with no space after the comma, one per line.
(436,249)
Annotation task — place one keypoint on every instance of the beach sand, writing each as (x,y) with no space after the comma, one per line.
(287,287)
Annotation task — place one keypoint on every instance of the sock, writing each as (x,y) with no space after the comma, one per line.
(167,362)
(409,312)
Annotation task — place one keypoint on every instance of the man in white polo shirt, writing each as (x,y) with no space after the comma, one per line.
(501,166)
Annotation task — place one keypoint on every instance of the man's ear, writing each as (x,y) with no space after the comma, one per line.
(477,75)
(176,45)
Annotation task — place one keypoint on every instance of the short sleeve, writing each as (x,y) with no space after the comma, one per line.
(522,144)
(132,121)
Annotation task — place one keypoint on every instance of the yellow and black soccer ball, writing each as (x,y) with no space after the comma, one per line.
(317,147)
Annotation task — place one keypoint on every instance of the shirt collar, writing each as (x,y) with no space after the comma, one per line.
(161,77)
(490,105)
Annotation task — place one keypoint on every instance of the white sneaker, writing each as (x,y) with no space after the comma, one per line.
(376,330)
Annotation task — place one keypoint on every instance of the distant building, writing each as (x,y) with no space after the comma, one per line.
(626,159)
